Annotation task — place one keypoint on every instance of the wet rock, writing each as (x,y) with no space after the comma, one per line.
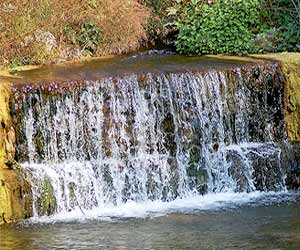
(169,132)
(268,174)
(293,167)
(237,170)
(15,196)
(15,190)
(47,201)
(10,144)
(198,176)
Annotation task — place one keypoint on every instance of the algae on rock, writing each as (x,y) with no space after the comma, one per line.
(15,196)
(47,202)
(292,73)
(15,191)
(5,143)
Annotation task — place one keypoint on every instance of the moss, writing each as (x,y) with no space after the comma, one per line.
(292,72)
(15,196)
(4,118)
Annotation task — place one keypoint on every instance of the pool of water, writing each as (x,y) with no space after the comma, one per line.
(124,65)
(257,222)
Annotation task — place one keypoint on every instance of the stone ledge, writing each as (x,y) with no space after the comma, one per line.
(291,67)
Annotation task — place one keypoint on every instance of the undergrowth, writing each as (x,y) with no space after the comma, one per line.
(50,31)
(46,31)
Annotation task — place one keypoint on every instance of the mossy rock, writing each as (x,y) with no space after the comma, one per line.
(47,202)
(15,196)
(198,178)
(5,120)
(15,190)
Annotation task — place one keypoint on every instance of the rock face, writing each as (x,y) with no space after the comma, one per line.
(291,67)
(15,196)
(290,63)
(6,143)
(15,191)
(293,176)
(292,73)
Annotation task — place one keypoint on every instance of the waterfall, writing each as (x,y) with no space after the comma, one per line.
(151,137)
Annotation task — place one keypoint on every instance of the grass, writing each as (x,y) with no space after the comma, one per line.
(34,32)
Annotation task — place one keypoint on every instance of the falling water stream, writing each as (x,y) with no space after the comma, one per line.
(156,138)
(140,146)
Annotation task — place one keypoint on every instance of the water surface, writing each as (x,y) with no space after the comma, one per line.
(269,222)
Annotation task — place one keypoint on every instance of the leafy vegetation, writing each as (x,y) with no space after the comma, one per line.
(50,31)
(282,25)
(227,26)
(157,29)
(89,36)
(237,26)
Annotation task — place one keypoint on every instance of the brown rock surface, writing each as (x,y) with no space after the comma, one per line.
(291,67)
(15,191)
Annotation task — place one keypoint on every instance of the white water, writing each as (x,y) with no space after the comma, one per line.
(151,209)
(129,147)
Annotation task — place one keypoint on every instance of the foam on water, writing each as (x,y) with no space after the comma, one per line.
(151,209)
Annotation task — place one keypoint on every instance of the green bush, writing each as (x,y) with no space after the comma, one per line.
(283,17)
(89,36)
(227,26)
(156,28)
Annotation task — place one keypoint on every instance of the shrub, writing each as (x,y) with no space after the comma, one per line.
(156,27)
(89,36)
(226,26)
(283,17)
(75,27)
(123,25)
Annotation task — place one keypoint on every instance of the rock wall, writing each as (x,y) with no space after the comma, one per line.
(15,191)
(292,73)
(293,176)
(291,67)
(290,63)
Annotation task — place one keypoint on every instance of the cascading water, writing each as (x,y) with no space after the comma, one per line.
(152,137)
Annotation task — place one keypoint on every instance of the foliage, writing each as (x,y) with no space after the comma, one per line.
(46,31)
(49,31)
(156,27)
(236,26)
(89,36)
(282,17)
(123,26)
(226,26)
